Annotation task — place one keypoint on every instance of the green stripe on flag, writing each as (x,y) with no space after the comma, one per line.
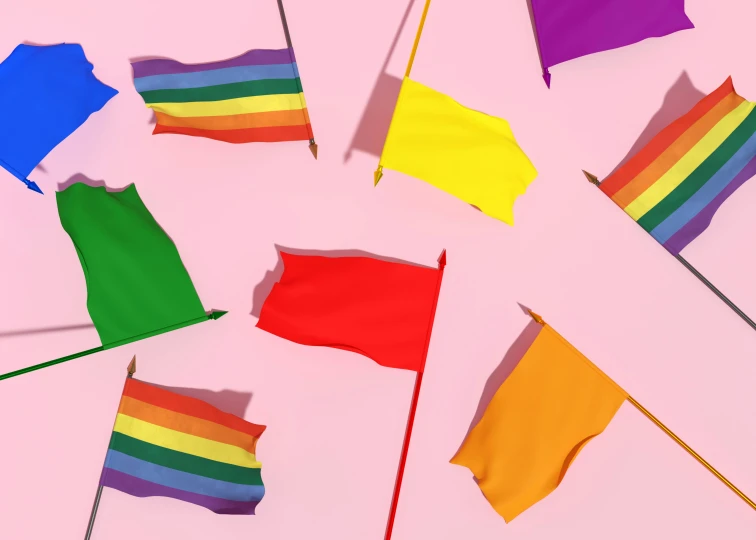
(220,92)
(184,462)
(701,175)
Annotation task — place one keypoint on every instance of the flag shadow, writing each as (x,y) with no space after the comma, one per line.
(679,99)
(229,401)
(376,116)
(262,289)
(80,178)
(512,357)
(47,330)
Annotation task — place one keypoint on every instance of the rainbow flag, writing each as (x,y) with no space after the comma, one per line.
(673,186)
(255,97)
(168,445)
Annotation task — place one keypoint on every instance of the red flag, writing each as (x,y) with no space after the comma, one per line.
(383,310)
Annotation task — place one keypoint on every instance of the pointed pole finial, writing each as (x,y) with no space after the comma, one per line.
(132,367)
(377,175)
(442,260)
(536,317)
(33,186)
(314,148)
(592,178)
(547,77)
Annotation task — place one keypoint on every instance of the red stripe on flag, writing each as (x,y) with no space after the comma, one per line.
(188,405)
(261,134)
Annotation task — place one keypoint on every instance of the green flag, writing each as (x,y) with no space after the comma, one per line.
(137,286)
(136,282)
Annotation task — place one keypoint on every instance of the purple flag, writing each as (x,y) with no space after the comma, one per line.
(567,29)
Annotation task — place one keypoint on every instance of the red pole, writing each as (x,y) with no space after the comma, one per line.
(413,406)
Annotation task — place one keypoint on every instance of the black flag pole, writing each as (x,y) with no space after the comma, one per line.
(593,179)
(313,146)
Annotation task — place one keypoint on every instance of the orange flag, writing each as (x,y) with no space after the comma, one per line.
(547,410)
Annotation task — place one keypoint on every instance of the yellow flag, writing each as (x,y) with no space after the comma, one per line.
(540,418)
(468,154)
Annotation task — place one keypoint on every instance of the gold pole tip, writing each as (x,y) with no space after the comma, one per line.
(132,366)
(536,317)
(592,178)
(377,175)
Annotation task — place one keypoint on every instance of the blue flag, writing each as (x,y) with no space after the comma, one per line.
(46,93)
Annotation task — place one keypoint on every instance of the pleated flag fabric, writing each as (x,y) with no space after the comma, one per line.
(674,185)
(568,30)
(255,97)
(137,285)
(553,403)
(168,445)
(383,310)
(466,153)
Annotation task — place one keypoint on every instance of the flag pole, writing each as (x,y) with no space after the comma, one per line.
(669,432)
(313,146)
(379,171)
(692,452)
(213,315)
(130,370)
(596,182)
(413,406)
(544,69)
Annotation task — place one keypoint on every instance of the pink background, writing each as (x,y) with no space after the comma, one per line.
(336,420)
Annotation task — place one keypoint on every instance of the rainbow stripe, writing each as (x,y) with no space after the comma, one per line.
(169,445)
(255,97)
(673,186)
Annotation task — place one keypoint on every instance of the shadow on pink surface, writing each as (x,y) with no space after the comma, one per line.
(376,117)
(262,289)
(79,178)
(512,357)
(47,330)
(229,401)
(679,99)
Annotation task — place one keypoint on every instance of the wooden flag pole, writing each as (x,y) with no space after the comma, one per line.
(596,182)
(213,315)
(674,437)
(379,171)
(130,370)
(313,146)
(413,407)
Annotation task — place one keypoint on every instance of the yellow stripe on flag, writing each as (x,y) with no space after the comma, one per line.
(466,153)
(540,418)
(229,107)
(689,162)
(183,442)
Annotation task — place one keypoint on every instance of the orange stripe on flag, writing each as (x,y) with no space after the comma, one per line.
(237,121)
(664,139)
(189,406)
(676,151)
(185,424)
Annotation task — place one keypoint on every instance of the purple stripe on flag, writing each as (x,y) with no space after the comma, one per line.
(255,57)
(142,488)
(702,220)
